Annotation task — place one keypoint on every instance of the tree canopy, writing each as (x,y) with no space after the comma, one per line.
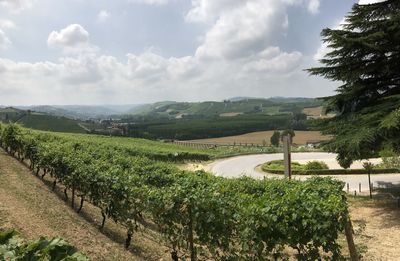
(275,138)
(364,56)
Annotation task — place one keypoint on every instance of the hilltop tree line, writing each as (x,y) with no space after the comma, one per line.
(277,136)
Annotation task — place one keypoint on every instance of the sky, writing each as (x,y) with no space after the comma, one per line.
(140,51)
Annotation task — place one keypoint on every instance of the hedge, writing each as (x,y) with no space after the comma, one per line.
(333,171)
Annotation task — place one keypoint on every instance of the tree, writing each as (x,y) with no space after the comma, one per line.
(365,58)
(289,132)
(275,138)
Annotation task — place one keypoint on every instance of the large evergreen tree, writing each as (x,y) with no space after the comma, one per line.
(365,59)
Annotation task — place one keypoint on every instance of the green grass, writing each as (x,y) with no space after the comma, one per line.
(279,165)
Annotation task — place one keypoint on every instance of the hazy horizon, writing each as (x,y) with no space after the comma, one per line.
(160,101)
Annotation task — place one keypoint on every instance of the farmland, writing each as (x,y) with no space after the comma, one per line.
(216,218)
(40,121)
(263,137)
(170,120)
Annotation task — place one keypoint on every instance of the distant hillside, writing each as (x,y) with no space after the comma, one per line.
(228,108)
(176,110)
(40,121)
(82,112)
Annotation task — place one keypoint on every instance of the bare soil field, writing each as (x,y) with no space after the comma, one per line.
(230,114)
(262,137)
(314,111)
(317,113)
(30,206)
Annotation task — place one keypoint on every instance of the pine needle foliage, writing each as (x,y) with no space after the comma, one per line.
(364,57)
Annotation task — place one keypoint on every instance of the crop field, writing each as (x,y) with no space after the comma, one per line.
(262,137)
(313,111)
(196,214)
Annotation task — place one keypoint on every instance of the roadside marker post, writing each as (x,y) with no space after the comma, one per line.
(287,156)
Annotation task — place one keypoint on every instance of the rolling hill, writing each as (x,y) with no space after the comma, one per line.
(227,108)
(40,121)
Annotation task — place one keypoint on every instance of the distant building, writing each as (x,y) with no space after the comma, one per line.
(312,144)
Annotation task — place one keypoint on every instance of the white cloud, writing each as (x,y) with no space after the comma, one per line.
(5,43)
(244,29)
(209,10)
(16,5)
(313,6)
(273,60)
(72,39)
(238,55)
(103,15)
(366,2)
(6,24)
(150,2)
(71,36)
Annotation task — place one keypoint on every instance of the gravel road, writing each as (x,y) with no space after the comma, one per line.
(246,166)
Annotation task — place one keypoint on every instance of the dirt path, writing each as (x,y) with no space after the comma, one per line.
(381,236)
(29,205)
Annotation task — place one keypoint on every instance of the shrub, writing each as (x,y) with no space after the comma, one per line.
(316,165)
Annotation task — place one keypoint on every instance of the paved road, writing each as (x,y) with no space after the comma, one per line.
(246,166)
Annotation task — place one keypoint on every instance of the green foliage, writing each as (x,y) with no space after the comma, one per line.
(316,165)
(289,132)
(222,219)
(296,167)
(191,128)
(344,162)
(364,57)
(40,121)
(51,123)
(56,249)
(279,165)
(213,108)
(319,168)
(275,138)
(390,159)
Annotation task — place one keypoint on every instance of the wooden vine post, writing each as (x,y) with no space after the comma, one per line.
(350,240)
(369,167)
(287,157)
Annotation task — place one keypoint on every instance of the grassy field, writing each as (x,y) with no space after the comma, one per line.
(260,137)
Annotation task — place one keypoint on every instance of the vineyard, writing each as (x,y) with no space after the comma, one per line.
(197,214)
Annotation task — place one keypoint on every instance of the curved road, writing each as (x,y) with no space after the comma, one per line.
(246,166)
